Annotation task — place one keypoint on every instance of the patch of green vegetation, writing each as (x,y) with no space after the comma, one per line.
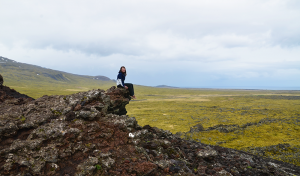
(98,167)
(262,117)
(55,112)
(22,119)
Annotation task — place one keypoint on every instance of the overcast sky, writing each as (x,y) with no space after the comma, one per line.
(191,43)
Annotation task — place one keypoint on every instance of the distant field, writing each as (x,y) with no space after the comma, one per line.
(255,119)
(38,90)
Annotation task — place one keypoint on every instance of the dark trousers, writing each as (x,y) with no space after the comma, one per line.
(130,88)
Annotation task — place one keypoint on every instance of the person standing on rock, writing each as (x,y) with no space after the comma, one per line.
(120,82)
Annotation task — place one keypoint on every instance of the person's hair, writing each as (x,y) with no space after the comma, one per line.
(122,72)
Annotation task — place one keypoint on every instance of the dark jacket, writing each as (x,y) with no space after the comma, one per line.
(120,79)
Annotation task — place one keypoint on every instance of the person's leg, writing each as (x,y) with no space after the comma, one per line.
(130,88)
(132,91)
(133,96)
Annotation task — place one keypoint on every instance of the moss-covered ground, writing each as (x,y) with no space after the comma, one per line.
(259,118)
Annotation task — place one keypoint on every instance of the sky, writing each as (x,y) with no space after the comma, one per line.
(192,43)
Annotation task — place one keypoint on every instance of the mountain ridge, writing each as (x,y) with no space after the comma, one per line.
(37,81)
(38,70)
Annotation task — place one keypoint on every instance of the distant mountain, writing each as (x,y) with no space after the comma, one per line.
(37,81)
(17,71)
(165,86)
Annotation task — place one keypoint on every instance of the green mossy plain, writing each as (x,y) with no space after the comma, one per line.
(274,117)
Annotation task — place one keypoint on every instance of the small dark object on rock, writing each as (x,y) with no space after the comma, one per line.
(70,116)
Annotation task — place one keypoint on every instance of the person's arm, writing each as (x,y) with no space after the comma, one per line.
(119,80)
(123,79)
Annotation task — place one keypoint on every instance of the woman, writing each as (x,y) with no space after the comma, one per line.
(120,82)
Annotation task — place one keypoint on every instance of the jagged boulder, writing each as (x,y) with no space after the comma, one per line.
(196,128)
(88,133)
(13,97)
(39,133)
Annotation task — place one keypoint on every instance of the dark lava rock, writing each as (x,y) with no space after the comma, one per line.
(1,81)
(224,128)
(14,97)
(174,168)
(50,136)
(197,128)
(70,116)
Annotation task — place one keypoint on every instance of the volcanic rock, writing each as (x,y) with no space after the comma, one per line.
(1,81)
(12,96)
(89,133)
(196,128)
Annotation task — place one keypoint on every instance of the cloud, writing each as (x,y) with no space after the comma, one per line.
(225,40)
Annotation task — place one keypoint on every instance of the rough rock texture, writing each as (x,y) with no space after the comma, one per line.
(8,94)
(1,81)
(88,133)
(228,128)
(284,152)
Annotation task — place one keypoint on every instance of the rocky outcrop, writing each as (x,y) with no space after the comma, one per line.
(283,152)
(89,133)
(1,81)
(12,96)
(227,128)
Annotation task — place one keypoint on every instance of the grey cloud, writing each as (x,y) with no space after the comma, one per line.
(218,38)
(184,20)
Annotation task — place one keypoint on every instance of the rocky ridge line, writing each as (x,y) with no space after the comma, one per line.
(89,133)
(1,81)
(8,94)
